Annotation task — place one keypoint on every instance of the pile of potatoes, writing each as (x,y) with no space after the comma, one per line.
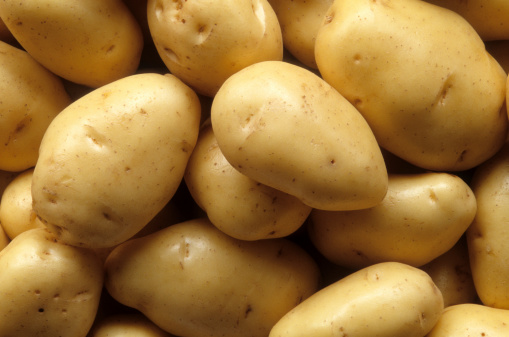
(257,168)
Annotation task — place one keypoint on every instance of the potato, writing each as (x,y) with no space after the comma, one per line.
(489,18)
(452,275)
(487,236)
(191,279)
(16,212)
(421,217)
(205,42)
(471,319)
(388,299)
(300,21)
(30,98)
(126,325)
(91,42)
(239,206)
(114,158)
(283,126)
(47,288)
(421,77)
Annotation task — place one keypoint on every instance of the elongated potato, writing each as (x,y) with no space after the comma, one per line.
(30,97)
(388,299)
(114,158)
(239,206)
(91,42)
(191,279)
(48,288)
(283,126)
(421,217)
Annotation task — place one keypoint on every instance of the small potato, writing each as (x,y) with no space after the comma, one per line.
(114,158)
(421,77)
(239,206)
(30,97)
(47,288)
(283,126)
(205,42)
(91,42)
(452,275)
(389,299)
(126,325)
(300,21)
(487,237)
(16,212)
(421,217)
(191,279)
(470,319)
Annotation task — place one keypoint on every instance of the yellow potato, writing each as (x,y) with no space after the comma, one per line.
(239,206)
(300,21)
(487,237)
(31,97)
(421,77)
(471,319)
(47,288)
(126,325)
(283,126)
(91,42)
(205,42)
(114,158)
(421,217)
(191,279)
(389,299)
(16,212)
(452,275)
(489,18)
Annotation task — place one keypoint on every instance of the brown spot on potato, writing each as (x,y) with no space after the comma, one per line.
(248,310)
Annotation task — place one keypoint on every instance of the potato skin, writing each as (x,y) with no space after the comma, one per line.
(114,158)
(421,217)
(91,42)
(436,99)
(47,288)
(205,42)
(388,299)
(191,279)
(285,127)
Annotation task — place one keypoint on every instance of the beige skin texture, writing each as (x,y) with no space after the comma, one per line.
(487,236)
(205,42)
(88,42)
(421,77)
(114,158)
(48,288)
(388,299)
(285,127)
(471,319)
(126,325)
(421,217)
(191,279)
(239,206)
(31,97)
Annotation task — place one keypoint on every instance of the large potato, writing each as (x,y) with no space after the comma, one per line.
(389,299)
(47,288)
(421,217)
(421,77)
(239,206)
(470,319)
(283,126)
(114,158)
(487,237)
(91,42)
(191,279)
(30,97)
(205,42)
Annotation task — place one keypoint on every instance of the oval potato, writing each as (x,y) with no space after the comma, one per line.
(114,158)
(283,126)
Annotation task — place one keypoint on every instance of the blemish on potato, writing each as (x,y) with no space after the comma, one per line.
(248,310)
